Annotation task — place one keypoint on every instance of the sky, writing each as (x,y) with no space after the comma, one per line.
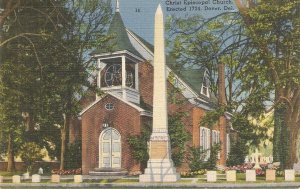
(138,15)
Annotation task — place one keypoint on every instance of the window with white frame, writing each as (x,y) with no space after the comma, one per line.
(205,84)
(227,145)
(216,139)
(109,106)
(205,141)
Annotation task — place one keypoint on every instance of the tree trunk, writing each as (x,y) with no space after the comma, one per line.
(63,148)
(10,154)
(280,137)
(293,131)
(64,133)
(222,119)
(8,7)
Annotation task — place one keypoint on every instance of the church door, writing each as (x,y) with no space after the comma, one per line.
(110,149)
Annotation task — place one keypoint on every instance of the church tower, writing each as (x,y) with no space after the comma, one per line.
(118,68)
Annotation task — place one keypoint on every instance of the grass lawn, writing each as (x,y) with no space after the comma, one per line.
(241,178)
(9,174)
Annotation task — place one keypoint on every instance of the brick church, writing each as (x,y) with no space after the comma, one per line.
(126,77)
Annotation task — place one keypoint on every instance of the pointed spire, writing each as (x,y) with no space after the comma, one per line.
(117,6)
(159,10)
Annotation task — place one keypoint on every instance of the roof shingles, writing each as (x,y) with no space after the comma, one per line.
(120,40)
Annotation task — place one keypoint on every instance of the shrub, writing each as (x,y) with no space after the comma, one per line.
(238,152)
(194,173)
(197,158)
(73,155)
(30,152)
(66,172)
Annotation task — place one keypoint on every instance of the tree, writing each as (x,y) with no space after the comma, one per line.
(7,8)
(51,39)
(273,28)
(83,30)
(22,71)
(10,108)
(30,153)
(218,44)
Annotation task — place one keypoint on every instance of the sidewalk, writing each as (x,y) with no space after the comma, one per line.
(192,184)
(294,185)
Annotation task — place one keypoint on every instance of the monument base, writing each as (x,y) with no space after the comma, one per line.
(159,170)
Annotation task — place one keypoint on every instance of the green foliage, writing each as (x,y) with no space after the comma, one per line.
(139,144)
(179,136)
(47,67)
(74,155)
(174,91)
(30,153)
(197,158)
(11,96)
(238,151)
(280,140)
(250,131)
(273,27)
(211,118)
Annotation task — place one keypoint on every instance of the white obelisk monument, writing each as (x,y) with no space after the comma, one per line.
(160,166)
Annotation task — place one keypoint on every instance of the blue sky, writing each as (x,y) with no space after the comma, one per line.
(138,15)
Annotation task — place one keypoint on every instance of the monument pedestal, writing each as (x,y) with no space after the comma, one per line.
(159,171)
(160,167)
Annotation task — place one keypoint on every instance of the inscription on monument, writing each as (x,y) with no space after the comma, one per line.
(158,150)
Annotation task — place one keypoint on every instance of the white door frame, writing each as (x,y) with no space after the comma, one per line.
(111,152)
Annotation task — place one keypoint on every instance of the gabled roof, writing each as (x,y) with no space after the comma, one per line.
(146,43)
(135,106)
(193,77)
(120,41)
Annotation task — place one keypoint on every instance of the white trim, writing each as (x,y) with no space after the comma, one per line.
(89,106)
(227,145)
(216,139)
(205,135)
(205,77)
(120,53)
(129,103)
(147,113)
(228,115)
(193,101)
(142,111)
(139,42)
(123,68)
(136,77)
(100,146)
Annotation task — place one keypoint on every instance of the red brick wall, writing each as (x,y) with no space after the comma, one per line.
(126,120)
(20,166)
(146,82)
(197,116)
(75,130)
